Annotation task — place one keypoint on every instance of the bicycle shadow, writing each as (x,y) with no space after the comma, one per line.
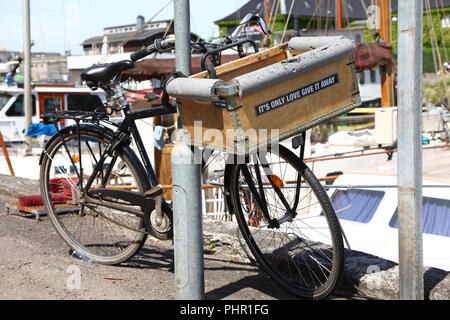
(259,282)
(153,257)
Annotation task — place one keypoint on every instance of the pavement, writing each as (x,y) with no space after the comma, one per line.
(35,264)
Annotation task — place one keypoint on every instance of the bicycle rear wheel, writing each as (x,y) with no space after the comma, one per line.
(100,234)
(303,253)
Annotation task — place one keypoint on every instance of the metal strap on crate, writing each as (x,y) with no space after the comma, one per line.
(331,50)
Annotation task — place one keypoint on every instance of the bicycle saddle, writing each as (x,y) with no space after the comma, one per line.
(105,72)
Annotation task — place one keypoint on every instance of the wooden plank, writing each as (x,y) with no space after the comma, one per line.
(5,153)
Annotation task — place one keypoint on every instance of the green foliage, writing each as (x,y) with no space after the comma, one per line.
(434,91)
(428,60)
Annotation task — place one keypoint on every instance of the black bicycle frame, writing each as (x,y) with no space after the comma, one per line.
(128,127)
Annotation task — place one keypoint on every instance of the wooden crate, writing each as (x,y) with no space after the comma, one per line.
(270,114)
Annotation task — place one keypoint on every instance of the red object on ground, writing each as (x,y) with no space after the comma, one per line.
(60,189)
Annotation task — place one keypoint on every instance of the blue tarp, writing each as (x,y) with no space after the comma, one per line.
(39,129)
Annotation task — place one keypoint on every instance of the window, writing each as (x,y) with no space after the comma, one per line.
(435,216)
(83,102)
(4,98)
(52,104)
(17,110)
(362,77)
(356,204)
(373,76)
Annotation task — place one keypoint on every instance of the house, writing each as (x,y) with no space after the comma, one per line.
(117,42)
(113,37)
(45,66)
(49,67)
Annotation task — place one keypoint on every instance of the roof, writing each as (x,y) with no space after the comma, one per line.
(118,37)
(143,36)
(134,24)
(352,9)
(138,37)
(156,67)
(92,40)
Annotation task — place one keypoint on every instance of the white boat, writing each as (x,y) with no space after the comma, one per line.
(367,210)
(45,98)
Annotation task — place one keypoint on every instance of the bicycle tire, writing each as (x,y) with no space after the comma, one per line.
(110,243)
(306,264)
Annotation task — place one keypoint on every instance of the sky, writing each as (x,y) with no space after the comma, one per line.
(61,25)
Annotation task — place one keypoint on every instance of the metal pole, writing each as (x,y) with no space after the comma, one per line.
(187,205)
(410,22)
(27,71)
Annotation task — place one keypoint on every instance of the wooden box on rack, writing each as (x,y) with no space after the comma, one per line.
(273,113)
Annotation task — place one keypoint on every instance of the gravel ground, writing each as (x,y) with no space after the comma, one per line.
(35,264)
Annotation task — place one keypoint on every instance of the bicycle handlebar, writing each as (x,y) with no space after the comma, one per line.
(158,46)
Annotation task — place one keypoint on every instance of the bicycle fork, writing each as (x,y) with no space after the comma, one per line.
(275,183)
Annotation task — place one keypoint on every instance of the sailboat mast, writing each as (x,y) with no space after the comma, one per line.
(339,24)
(387,83)
(28,107)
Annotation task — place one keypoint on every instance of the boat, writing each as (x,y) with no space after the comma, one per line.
(45,98)
(367,210)
(365,198)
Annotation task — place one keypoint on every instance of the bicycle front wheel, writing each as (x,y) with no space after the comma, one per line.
(100,234)
(298,239)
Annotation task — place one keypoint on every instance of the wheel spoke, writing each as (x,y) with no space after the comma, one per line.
(304,254)
(109,236)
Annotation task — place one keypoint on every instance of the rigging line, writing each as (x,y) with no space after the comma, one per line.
(274,17)
(312,17)
(271,12)
(345,12)
(433,34)
(441,67)
(136,32)
(442,35)
(316,16)
(319,16)
(326,18)
(287,20)
(433,50)
(364,8)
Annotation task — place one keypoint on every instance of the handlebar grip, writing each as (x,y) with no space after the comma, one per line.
(142,53)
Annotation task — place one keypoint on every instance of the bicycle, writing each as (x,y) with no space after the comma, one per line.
(123,211)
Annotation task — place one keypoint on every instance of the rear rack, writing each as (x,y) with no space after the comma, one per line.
(86,116)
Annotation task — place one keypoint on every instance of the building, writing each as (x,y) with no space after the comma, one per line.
(113,37)
(45,66)
(49,67)
(118,42)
